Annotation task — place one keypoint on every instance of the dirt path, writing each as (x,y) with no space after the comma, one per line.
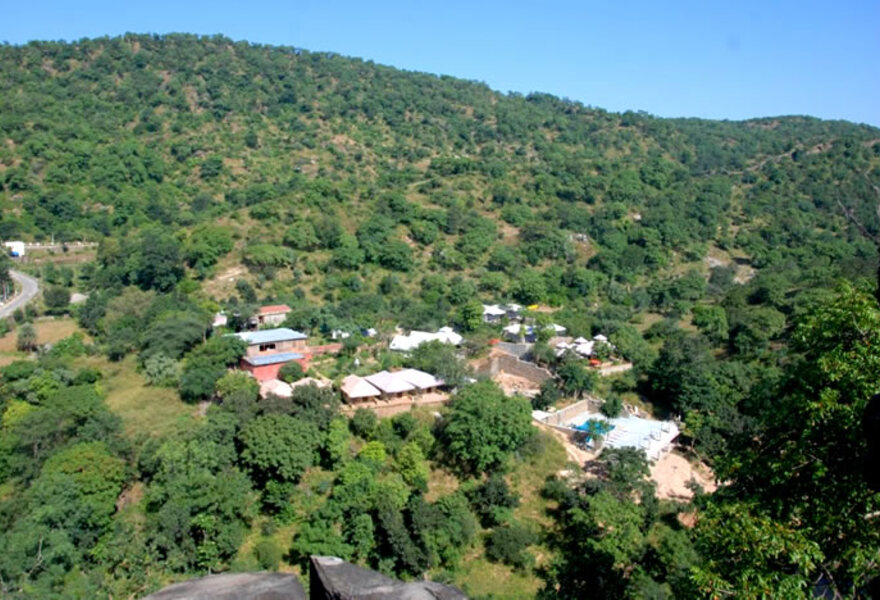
(574,454)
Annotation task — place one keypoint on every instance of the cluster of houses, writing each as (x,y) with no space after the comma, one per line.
(386,385)
(583,347)
(268,350)
(516,332)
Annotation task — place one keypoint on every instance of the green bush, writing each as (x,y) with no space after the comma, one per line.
(268,554)
(509,545)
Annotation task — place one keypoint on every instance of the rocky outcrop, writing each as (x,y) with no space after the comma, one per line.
(334,579)
(235,586)
(330,578)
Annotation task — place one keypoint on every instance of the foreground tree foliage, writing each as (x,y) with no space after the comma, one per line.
(806,478)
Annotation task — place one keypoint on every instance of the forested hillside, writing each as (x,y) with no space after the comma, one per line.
(731,262)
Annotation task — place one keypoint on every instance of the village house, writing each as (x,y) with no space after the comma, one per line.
(584,347)
(272,315)
(386,385)
(516,331)
(492,313)
(407,343)
(268,350)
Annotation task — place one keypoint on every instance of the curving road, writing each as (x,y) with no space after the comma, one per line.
(29,289)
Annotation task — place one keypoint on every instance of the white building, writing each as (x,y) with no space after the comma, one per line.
(16,248)
(408,343)
(492,313)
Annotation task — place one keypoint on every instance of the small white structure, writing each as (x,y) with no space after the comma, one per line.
(408,343)
(492,313)
(339,334)
(582,346)
(514,331)
(16,248)
(514,311)
(220,320)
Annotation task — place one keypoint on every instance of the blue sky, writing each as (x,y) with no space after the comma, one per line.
(705,58)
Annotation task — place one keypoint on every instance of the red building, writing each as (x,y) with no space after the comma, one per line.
(270,349)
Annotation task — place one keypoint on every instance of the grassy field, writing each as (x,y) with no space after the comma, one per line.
(48,331)
(478,576)
(154,411)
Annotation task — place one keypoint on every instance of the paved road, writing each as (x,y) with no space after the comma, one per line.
(29,289)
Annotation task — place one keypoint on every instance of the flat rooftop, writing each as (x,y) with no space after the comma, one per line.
(271,336)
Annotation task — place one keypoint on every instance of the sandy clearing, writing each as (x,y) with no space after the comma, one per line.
(673,472)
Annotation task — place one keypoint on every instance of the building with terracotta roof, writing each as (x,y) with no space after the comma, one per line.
(356,388)
(386,385)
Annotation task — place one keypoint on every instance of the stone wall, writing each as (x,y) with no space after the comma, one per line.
(520,368)
(563,415)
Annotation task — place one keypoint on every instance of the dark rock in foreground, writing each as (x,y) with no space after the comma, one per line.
(330,578)
(235,586)
(334,579)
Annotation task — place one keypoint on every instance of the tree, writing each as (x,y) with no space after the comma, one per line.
(509,545)
(753,555)
(291,372)
(411,464)
(575,378)
(396,255)
(308,403)
(234,382)
(363,423)
(440,360)
(548,395)
(155,262)
(712,322)
(682,377)
(484,427)
(470,315)
(812,439)
(208,363)
(612,406)
(529,287)
(279,447)
(492,500)
(56,299)
(159,370)
(26,341)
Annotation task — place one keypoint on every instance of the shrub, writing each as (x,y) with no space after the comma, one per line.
(291,372)
(509,545)
(161,371)
(268,554)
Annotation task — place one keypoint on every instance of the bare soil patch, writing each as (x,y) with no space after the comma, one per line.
(673,472)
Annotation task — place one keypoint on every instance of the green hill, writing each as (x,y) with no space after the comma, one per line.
(105,137)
